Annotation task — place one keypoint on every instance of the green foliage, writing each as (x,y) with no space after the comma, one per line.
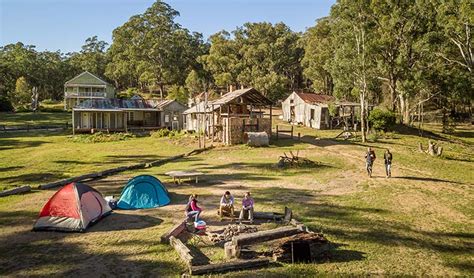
(178,93)
(260,55)
(168,133)
(128,93)
(100,137)
(382,119)
(195,83)
(160,133)
(92,57)
(163,52)
(21,97)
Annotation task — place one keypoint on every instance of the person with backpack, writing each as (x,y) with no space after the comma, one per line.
(387,157)
(370,158)
(192,209)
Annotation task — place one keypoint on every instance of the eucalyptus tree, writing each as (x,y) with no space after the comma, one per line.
(152,50)
(318,52)
(352,67)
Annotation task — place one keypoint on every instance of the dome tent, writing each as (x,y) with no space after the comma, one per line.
(72,208)
(143,192)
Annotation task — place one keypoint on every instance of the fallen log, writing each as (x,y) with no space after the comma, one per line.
(262,236)
(229,266)
(267,215)
(17,190)
(183,251)
(174,231)
(119,169)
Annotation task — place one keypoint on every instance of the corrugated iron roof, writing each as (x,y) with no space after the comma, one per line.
(249,95)
(199,108)
(123,104)
(315,98)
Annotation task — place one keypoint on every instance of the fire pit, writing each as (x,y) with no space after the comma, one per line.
(230,231)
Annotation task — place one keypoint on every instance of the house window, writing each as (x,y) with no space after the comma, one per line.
(167,118)
(130,117)
(292,101)
(312,114)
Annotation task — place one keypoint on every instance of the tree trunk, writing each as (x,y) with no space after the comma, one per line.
(362,117)
(404,109)
(393,92)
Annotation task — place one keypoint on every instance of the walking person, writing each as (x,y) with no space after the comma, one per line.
(369,162)
(387,157)
(247,206)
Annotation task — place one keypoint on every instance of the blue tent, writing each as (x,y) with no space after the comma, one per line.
(142,192)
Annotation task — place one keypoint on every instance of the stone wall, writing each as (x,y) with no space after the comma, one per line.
(234,128)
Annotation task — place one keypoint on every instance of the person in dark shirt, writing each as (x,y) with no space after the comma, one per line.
(387,157)
(370,158)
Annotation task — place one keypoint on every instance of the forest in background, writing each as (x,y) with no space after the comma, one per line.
(407,56)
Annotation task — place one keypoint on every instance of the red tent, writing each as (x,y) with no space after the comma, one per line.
(72,208)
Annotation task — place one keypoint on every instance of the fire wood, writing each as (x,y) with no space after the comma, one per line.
(258,237)
(17,190)
(229,266)
(174,231)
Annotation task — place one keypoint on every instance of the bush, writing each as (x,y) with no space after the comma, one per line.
(5,105)
(167,133)
(100,137)
(128,94)
(382,119)
(51,109)
(160,133)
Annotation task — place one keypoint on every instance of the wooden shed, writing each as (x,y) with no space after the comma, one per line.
(308,109)
(229,117)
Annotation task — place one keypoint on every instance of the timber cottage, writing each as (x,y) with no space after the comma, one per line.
(127,114)
(86,86)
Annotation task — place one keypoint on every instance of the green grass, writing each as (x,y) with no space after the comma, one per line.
(419,223)
(39,118)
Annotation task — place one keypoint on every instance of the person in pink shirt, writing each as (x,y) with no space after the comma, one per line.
(247,206)
(192,209)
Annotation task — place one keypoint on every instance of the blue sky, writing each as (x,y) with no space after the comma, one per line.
(65,24)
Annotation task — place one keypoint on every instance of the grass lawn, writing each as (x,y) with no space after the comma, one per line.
(39,118)
(420,222)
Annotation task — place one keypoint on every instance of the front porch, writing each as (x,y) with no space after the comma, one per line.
(115,121)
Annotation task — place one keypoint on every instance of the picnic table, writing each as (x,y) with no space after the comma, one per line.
(179,175)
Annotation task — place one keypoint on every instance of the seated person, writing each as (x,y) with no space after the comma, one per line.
(192,208)
(247,206)
(226,205)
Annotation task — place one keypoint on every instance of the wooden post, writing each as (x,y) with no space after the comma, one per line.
(277,132)
(299,136)
(271,122)
(291,132)
(125,122)
(73,123)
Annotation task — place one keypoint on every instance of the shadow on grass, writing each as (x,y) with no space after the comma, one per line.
(425,179)
(32,178)
(10,168)
(8,144)
(367,225)
(25,253)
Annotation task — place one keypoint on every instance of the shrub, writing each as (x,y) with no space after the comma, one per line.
(51,109)
(100,137)
(382,119)
(160,133)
